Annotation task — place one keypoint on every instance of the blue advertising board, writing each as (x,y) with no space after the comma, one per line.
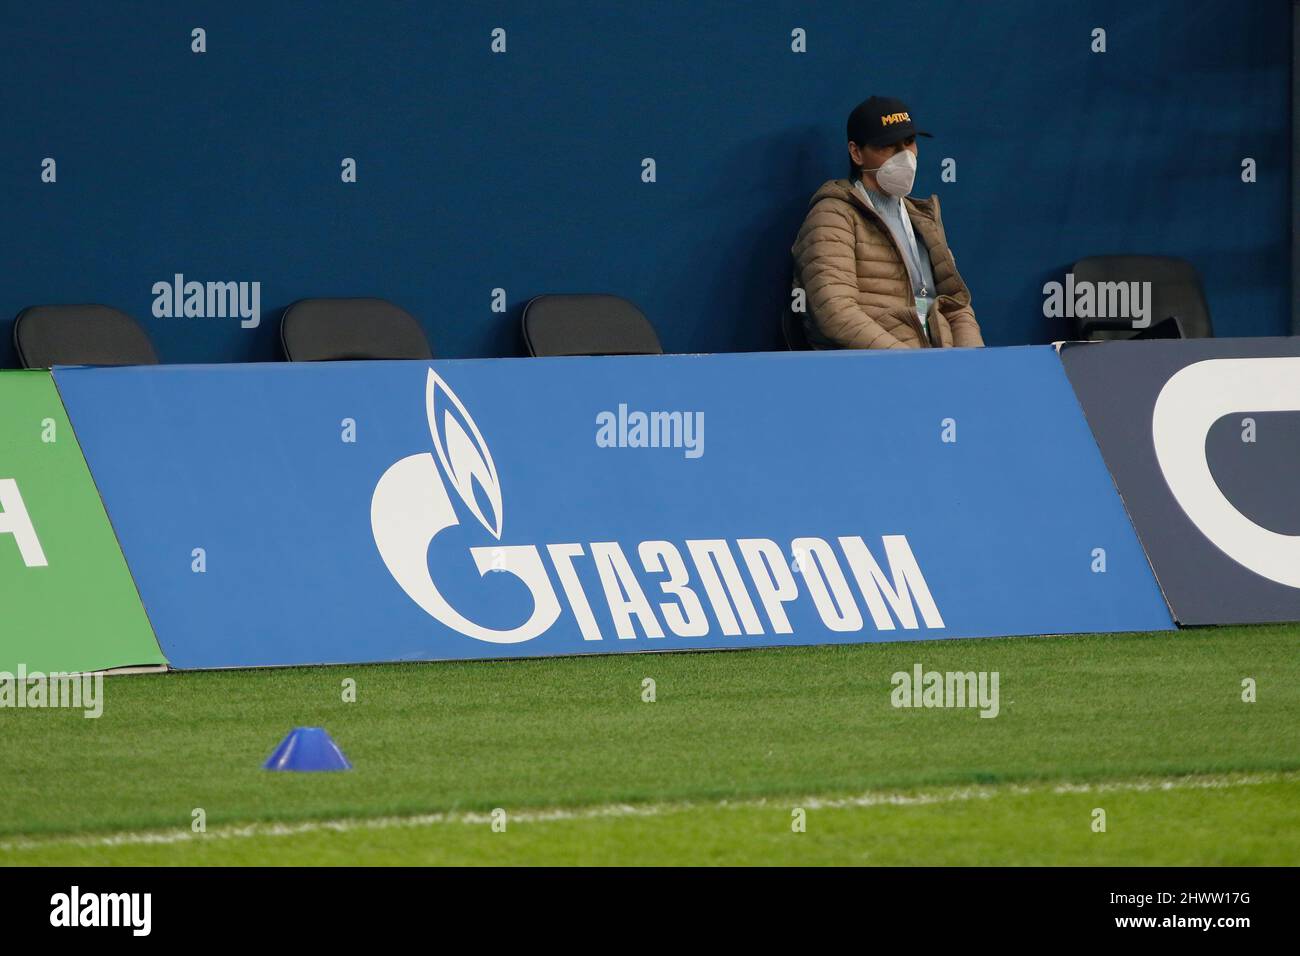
(384,511)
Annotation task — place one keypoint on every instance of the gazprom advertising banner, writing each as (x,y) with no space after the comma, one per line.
(368,511)
(67,602)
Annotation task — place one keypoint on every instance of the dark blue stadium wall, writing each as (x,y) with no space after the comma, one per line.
(522,170)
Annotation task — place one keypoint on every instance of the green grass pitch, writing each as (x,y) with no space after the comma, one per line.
(1150,728)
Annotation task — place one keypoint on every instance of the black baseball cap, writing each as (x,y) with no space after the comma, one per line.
(881,121)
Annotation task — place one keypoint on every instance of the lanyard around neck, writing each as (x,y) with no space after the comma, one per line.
(912,264)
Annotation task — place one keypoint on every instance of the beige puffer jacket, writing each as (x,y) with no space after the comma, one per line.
(859,295)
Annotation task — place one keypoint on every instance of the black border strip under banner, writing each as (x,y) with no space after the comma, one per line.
(651,909)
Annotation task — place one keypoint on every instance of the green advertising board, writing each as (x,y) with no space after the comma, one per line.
(67,600)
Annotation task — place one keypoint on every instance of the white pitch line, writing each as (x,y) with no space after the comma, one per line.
(869,799)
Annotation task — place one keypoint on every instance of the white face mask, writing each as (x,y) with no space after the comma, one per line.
(897,173)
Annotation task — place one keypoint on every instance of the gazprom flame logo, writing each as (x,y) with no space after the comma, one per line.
(411,506)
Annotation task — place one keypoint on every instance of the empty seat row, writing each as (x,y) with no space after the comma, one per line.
(319,330)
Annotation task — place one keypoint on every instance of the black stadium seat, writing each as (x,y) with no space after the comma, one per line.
(333,330)
(587,324)
(1176,294)
(49,335)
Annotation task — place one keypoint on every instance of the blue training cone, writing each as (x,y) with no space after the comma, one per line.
(305,749)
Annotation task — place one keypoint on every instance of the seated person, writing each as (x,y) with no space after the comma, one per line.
(876,265)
